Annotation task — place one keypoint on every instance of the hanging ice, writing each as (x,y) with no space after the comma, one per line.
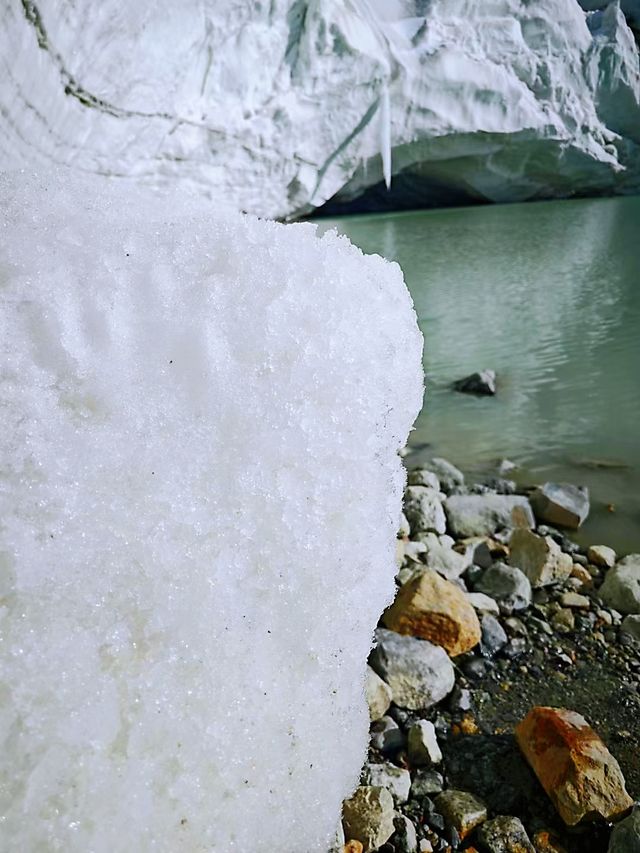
(200,492)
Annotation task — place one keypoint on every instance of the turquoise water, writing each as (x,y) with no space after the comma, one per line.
(548,295)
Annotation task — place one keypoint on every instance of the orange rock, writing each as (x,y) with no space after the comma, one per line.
(434,609)
(545,842)
(353,846)
(468,725)
(573,765)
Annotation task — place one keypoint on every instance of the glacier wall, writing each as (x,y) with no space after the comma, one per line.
(276,108)
(200,489)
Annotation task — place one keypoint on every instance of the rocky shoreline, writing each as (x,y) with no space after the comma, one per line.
(508,658)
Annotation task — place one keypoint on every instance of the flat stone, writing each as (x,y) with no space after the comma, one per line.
(602,555)
(425,783)
(449,476)
(419,673)
(423,509)
(621,587)
(631,626)
(482,382)
(439,555)
(625,837)
(575,601)
(539,557)
(378,694)
(494,637)
(461,810)
(504,834)
(424,477)
(404,839)
(368,816)
(432,608)
(573,765)
(507,585)
(422,744)
(396,780)
(483,515)
(483,603)
(561,503)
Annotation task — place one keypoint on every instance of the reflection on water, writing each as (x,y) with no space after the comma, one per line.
(548,295)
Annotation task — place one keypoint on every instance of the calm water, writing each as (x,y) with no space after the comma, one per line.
(548,295)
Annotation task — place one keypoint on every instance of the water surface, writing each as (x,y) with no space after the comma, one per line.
(548,295)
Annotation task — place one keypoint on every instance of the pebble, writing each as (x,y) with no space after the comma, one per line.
(504,834)
(561,503)
(396,780)
(602,555)
(539,557)
(432,608)
(368,816)
(422,744)
(353,846)
(507,585)
(462,811)
(573,765)
(575,601)
(494,636)
(425,783)
(378,694)
(460,699)
(418,673)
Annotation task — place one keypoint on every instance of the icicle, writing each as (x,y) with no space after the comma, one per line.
(385,136)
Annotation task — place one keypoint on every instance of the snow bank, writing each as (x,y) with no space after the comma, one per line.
(200,420)
(277,107)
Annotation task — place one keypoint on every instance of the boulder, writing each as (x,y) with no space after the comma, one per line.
(507,585)
(419,673)
(573,765)
(423,509)
(621,587)
(378,694)
(561,504)
(504,834)
(539,557)
(462,811)
(434,609)
(625,837)
(483,515)
(483,383)
(368,816)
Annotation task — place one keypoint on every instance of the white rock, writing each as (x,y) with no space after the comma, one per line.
(200,421)
(423,509)
(483,603)
(396,780)
(422,744)
(378,694)
(275,108)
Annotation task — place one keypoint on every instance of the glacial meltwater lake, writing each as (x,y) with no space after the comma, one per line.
(548,295)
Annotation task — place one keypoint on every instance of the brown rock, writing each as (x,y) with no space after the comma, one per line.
(434,609)
(539,557)
(582,574)
(353,846)
(461,810)
(573,765)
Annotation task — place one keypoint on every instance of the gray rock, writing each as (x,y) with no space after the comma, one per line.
(483,603)
(494,637)
(621,587)
(439,555)
(424,477)
(483,515)
(425,783)
(501,485)
(460,699)
(422,744)
(477,551)
(507,585)
(539,557)
(386,735)
(461,810)
(368,816)
(504,834)
(404,530)
(419,673)
(423,509)
(378,694)
(404,838)
(561,503)
(625,837)
(482,382)
(631,626)
(395,779)
(449,476)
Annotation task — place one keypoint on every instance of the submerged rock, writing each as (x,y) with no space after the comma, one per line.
(561,503)
(419,673)
(482,515)
(430,607)
(573,765)
(483,382)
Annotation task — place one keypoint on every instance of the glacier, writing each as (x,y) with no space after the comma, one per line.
(200,488)
(286,107)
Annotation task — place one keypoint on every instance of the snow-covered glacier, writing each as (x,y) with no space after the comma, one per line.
(277,108)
